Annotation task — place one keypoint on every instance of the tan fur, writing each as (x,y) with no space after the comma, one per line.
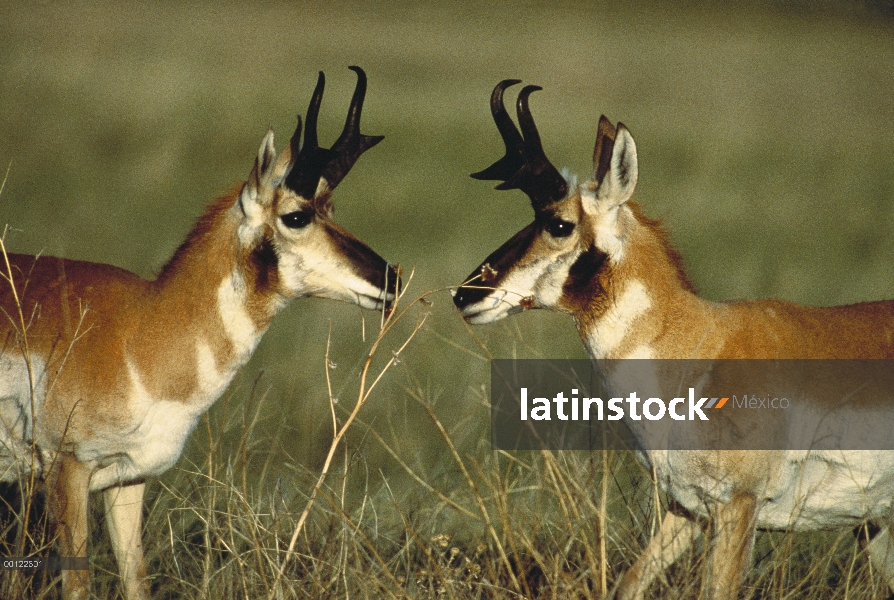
(681,325)
(627,292)
(124,367)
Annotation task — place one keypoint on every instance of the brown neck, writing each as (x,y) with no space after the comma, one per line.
(204,317)
(647,307)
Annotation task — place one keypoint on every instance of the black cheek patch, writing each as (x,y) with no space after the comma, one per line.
(582,286)
(483,280)
(365,261)
(264,263)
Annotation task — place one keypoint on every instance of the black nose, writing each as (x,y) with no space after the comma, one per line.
(471,292)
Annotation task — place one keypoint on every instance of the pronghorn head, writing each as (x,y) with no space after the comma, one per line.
(565,259)
(285,211)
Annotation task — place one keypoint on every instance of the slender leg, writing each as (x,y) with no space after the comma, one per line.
(68,491)
(124,515)
(732,541)
(881,553)
(675,535)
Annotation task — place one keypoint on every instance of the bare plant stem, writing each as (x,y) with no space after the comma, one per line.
(340,432)
(26,354)
(476,492)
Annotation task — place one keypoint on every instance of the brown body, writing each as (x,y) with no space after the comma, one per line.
(592,254)
(86,321)
(103,375)
(679,324)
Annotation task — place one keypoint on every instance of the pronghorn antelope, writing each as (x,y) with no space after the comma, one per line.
(112,372)
(591,253)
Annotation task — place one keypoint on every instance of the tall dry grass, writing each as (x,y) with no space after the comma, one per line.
(765,141)
(482,525)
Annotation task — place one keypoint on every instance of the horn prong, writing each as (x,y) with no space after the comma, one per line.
(351,143)
(525,165)
(318,170)
(512,139)
(313,110)
(533,146)
(352,123)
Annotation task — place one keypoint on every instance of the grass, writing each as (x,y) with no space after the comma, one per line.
(765,145)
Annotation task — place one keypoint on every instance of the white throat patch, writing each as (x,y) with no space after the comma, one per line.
(238,324)
(608,334)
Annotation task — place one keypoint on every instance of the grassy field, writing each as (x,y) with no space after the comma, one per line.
(766,145)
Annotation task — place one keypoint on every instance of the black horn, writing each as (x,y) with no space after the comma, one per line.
(525,165)
(332,164)
(507,166)
(351,143)
(310,160)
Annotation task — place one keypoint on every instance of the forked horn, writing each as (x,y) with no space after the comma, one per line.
(351,143)
(525,165)
(310,159)
(507,166)
(314,163)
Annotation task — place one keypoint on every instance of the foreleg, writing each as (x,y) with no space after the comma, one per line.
(124,515)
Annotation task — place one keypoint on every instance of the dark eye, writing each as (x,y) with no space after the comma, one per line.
(559,228)
(297,219)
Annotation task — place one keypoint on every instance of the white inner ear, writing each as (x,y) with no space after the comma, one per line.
(257,191)
(284,163)
(618,184)
(605,201)
(267,154)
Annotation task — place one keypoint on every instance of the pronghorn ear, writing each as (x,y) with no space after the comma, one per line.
(618,169)
(286,160)
(602,152)
(262,174)
(266,154)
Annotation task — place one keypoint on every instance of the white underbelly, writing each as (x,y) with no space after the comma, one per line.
(153,445)
(809,491)
(147,451)
(17,404)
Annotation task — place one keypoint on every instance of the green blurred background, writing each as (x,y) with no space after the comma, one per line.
(765,139)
